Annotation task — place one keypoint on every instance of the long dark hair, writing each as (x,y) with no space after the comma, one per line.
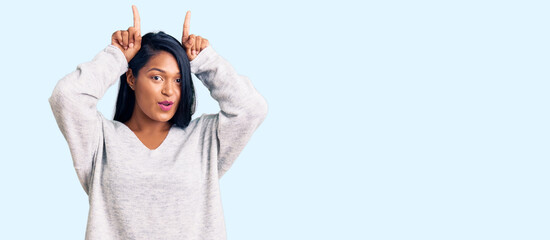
(152,44)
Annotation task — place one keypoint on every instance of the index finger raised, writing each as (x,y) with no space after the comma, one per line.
(186,25)
(137,21)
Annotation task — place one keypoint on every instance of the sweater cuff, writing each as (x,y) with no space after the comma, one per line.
(119,57)
(204,56)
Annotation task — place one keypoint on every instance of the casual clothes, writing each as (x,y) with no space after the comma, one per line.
(171,192)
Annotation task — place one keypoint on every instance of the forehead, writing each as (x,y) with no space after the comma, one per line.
(164,61)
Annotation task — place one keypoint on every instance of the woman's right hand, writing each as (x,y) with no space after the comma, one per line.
(129,41)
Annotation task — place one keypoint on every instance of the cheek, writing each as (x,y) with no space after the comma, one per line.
(145,97)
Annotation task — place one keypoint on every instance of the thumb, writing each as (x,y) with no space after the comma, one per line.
(137,39)
(189,43)
(189,47)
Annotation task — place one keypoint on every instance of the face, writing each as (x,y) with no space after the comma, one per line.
(157,88)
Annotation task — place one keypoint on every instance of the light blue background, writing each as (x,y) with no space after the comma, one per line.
(387,119)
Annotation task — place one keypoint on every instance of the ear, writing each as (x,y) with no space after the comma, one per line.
(130,79)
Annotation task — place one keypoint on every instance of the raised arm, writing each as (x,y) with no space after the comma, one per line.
(242,108)
(74,99)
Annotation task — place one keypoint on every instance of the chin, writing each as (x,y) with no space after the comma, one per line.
(164,117)
(161,116)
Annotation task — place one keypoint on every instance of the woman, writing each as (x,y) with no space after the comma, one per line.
(152,172)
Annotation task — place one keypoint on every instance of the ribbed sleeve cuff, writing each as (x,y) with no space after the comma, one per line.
(119,57)
(204,56)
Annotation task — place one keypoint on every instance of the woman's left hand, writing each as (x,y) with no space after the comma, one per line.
(192,44)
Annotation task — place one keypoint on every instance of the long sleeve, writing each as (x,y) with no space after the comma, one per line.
(73,102)
(242,108)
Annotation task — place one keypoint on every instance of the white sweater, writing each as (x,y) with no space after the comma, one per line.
(171,192)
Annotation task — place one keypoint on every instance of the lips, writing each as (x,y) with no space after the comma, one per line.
(166,105)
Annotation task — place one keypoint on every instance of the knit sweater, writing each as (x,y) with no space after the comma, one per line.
(171,192)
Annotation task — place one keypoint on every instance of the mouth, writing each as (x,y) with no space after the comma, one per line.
(166,105)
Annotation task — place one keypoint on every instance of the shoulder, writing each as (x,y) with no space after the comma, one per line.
(205,121)
(110,126)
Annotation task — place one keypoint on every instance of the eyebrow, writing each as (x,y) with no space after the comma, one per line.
(160,70)
(157,69)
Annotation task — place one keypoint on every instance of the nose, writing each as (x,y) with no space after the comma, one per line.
(168,88)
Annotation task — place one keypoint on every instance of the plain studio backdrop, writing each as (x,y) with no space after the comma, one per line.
(387,119)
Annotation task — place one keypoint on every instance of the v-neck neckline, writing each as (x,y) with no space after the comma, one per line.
(164,142)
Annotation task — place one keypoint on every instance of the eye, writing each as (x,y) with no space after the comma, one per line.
(178,81)
(157,77)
